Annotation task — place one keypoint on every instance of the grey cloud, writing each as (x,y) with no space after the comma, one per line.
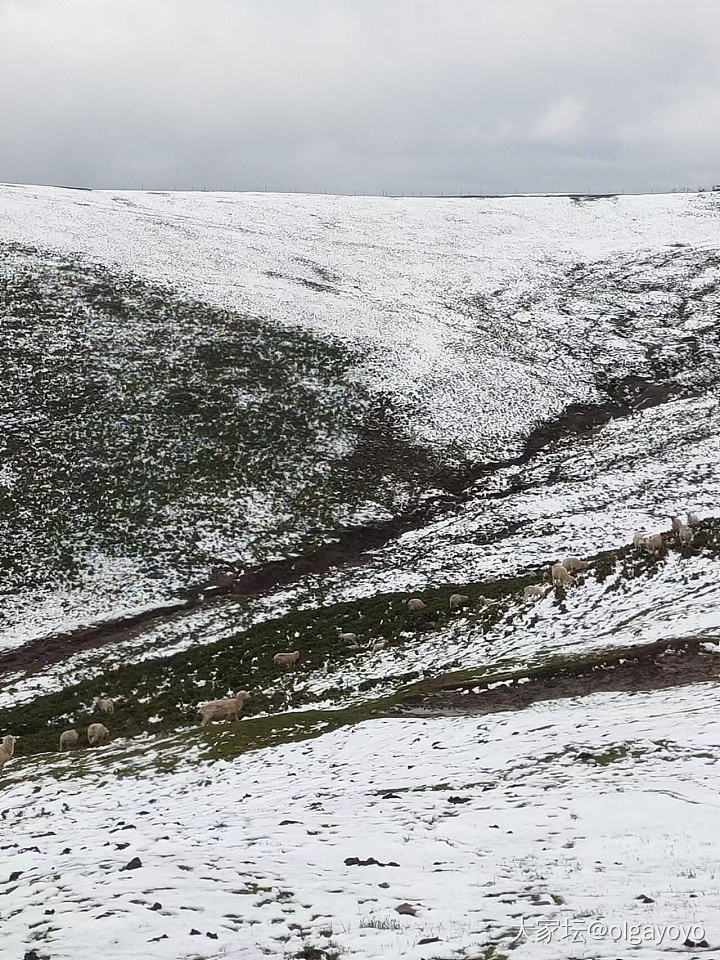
(460,95)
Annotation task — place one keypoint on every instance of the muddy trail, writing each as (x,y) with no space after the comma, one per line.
(654,666)
(625,397)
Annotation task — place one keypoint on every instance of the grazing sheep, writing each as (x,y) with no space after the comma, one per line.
(378,645)
(693,519)
(348,637)
(534,592)
(286,659)
(223,709)
(573,564)
(68,738)
(416,604)
(653,543)
(97,733)
(104,706)
(560,575)
(676,524)
(639,539)
(7,748)
(685,535)
(457,600)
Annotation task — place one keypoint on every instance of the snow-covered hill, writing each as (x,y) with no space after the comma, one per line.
(416,398)
(459,305)
(233,349)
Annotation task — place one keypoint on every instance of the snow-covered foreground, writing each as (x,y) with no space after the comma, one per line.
(565,819)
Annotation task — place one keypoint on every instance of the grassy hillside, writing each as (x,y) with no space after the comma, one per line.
(160,695)
(143,426)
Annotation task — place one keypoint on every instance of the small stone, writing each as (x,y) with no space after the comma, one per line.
(406,909)
(134,864)
(695,943)
(156,906)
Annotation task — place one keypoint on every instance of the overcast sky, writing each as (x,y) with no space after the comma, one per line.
(368,95)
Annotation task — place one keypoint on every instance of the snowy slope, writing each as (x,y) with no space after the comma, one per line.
(567,811)
(414,282)
(479,318)
(584,498)
(464,323)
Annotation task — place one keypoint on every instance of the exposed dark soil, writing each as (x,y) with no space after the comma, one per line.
(656,666)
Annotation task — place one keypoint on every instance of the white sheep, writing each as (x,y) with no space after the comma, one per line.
(693,519)
(574,564)
(685,534)
(560,575)
(457,600)
(378,645)
(639,539)
(416,604)
(348,637)
(676,524)
(653,543)
(286,659)
(103,705)
(68,738)
(534,591)
(228,709)
(97,733)
(7,748)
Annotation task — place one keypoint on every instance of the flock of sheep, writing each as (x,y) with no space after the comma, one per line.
(561,574)
(230,708)
(98,733)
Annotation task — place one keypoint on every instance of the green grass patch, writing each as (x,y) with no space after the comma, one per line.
(144,425)
(170,689)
